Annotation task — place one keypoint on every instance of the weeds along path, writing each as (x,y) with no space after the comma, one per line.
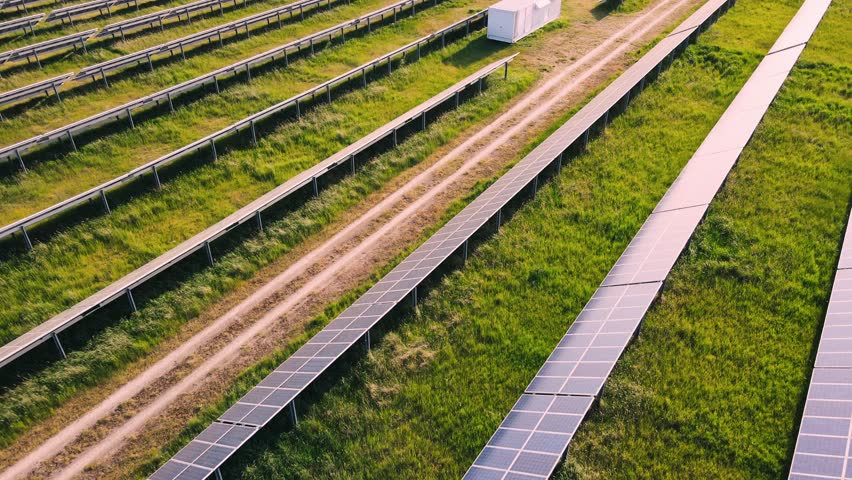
(166,381)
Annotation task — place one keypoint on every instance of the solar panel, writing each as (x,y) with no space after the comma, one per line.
(250,213)
(654,250)
(279,388)
(180,45)
(159,18)
(244,125)
(835,346)
(531,439)
(71,12)
(24,24)
(36,50)
(168,95)
(583,359)
(586,355)
(39,88)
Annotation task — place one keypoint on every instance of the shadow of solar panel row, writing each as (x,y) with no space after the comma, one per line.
(247,125)
(103,7)
(253,212)
(166,96)
(179,14)
(48,87)
(24,24)
(211,36)
(36,51)
(584,358)
(209,450)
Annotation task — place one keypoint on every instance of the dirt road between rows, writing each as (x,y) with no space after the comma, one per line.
(203,362)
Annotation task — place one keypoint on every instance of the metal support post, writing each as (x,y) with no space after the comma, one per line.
(21,161)
(104,200)
(213,149)
(259,221)
(316,186)
(367,340)
(59,346)
(27,241)
(131,301)
(156,178)
(414,297)
(71,138)
(291,408)
(352,162)
(423,121)
(130,118)
(253,133)
(498,219)
(209,253)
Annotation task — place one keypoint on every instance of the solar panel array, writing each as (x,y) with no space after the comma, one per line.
(555,420)
(582,361)
(24,24)
(37,50)
(71,12)
(208,36)
(252,212)
(38,88)
(159,18)
(166,96)
(209,450)
(322,90)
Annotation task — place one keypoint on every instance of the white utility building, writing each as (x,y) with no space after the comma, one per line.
(512,20)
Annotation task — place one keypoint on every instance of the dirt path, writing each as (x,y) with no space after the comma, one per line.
(302,285)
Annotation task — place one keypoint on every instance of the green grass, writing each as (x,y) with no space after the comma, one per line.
(114,154)
(49,114)
(86,257)
(710,389)
(133,337)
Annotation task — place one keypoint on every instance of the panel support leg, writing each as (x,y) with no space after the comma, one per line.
(465,251)
(367,341)
(27,241)
(156,178)
(414,297)
(131,301)
(291,408)
(105,202)
(209,253)
(21,161)
(59,346)
(259,220)
(498,219)
(218,474)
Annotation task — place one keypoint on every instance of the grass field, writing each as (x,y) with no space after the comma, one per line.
(114,154)
(113,349)
(88,256)
(711,388)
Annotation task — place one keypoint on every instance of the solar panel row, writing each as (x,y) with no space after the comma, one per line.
(48,86)
(557,419)
(71,12)
(210,449)
(253,212)
(281,53)
(211,36)
(24,5)
(24,24)
(357,77)
(584,358)
(180,13)
(37,50)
